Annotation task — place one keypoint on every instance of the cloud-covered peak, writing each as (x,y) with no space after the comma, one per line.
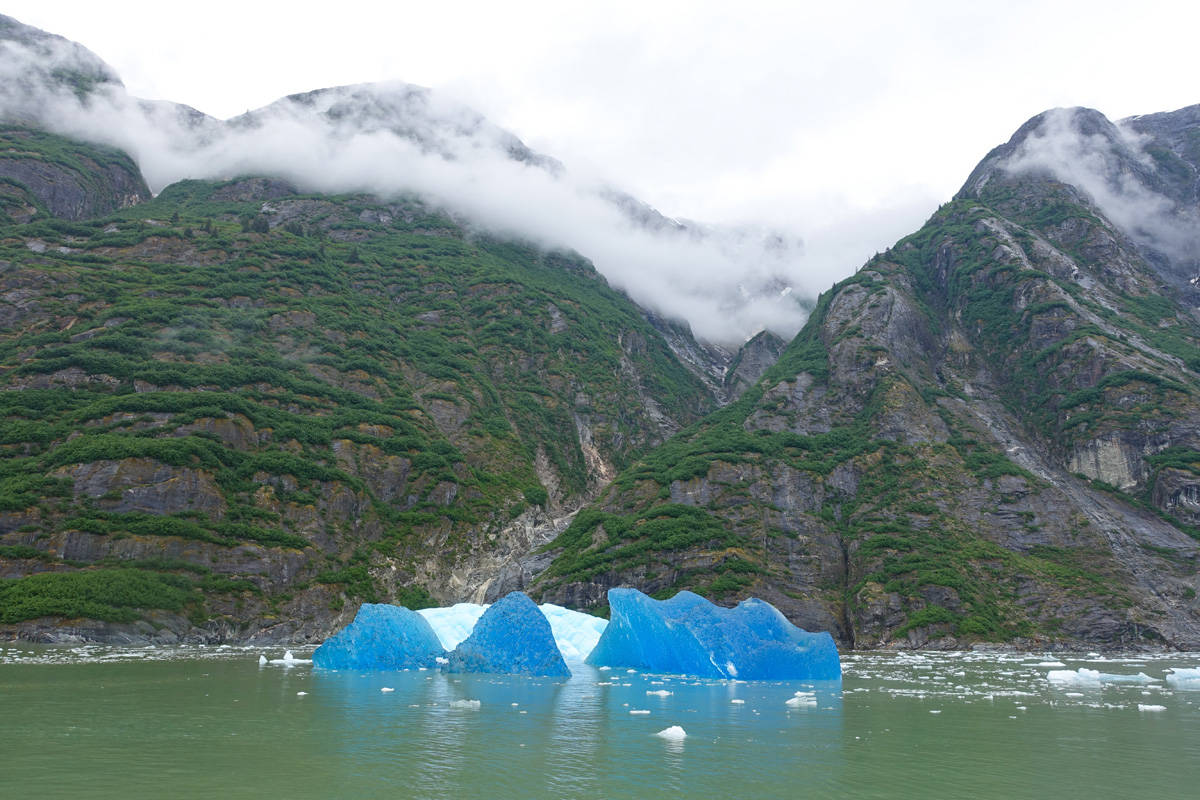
(391,139)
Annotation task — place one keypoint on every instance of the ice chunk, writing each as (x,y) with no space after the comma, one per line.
(512,636)
(575,632)
(1093,679)
(1147,707)
(470,704)
(674,732)
(453,623)
(1181,678)
(381,637)
(691,636)
(289,660)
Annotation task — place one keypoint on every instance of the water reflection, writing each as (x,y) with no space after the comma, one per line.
(593,735)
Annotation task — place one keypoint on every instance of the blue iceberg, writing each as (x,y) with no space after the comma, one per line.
(381,637)
(513,636)
(688,635)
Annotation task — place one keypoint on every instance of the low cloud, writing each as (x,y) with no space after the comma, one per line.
(1111,164)
(392,139)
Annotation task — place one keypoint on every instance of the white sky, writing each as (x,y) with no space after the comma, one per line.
(850,119)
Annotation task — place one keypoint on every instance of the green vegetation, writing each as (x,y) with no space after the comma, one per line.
(347,378)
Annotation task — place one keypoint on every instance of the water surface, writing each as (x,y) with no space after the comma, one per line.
(210,722)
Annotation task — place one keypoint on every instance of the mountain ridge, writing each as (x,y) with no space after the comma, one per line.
(235,410)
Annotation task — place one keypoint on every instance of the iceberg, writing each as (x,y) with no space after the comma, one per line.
(575,632)
(513,636)
(381,637)
(688,635)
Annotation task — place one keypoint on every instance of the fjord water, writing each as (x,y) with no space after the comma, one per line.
(208,722)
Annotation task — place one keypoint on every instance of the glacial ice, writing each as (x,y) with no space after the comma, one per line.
(689,635)
(575,633)
(1183,678)
(1093,679)
(513,636)
(381,637)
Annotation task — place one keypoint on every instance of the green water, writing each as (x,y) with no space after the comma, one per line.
(99,722)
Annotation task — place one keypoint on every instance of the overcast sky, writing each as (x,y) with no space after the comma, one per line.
(850,121)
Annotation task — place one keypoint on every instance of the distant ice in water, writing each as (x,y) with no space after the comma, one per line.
(1183,678)
(1094,679)
(674,732)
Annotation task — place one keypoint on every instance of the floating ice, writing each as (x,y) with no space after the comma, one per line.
(471,704)
(513,636)
(453,623)
(386,689)
(381,637)
(659,692)
(1145,707)
(575,633)
(1179,678)
(689,635)
(675,733)
(288,660)
(1093,679)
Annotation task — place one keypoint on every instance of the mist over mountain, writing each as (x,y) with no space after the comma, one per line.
(394,139)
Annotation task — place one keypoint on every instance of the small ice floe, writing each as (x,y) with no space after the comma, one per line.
(1148,707)
(938,711)
(674,733)
(289,660)
(802,700)
(471,704)
(1093,679)
(737,701)
(659,692)
(386,689)
(301,694)
(1182,678)
(262,661)
(1050,664)
(639,711)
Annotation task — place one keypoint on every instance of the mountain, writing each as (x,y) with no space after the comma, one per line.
(394,139)
(989,433)
(248,407)
(235,410)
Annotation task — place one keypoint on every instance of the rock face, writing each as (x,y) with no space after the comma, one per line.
(288,405)
(990,432)
(82,182)
(512,637)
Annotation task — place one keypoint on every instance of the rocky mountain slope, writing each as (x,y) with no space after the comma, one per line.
(249,408)
(989,433)
(237,409)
